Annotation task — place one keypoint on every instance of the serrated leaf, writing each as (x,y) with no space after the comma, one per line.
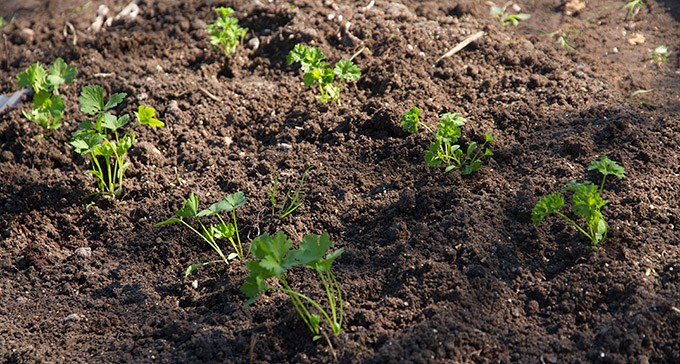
(606,166)
(231,202)
(145,115)
(546,206)
(33,76)
(91,99)
(312,76)
(189,208)
(114,100)
(410,119)
(347,70)
(112,122)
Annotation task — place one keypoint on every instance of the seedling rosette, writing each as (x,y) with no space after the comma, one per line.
(316,71)
(48,105)
(443,149)
(92,138)
(274,260)
(587,201)
(212,233)
(226,33)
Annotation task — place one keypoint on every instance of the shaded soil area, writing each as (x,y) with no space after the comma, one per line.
(437,267)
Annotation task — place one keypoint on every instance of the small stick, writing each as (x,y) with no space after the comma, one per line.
(460,46)
(207,93)
(253,340)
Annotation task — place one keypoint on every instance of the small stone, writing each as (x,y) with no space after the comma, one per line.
(173,108)
(142,96)
(22,300)
(84,252)
(72,317)
(309,32)
(283,146)
(254,43)
(7,156)
(27,35)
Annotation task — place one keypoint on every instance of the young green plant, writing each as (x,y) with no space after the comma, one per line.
(633,7)
(587,200)
(48,105)
(226,33)
(316,71)
(212,233)
(506,18)
(92,138)
(443,149)
(660,54)
(289,201)
(274,260)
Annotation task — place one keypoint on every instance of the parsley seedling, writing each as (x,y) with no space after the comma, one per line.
(443,149)
(213,232)
(634,7)
(48,106)
(288,204)
(316,71)
(508,19)
(275,258)
(660,54)
(587,200)
(92,137)
(225,33)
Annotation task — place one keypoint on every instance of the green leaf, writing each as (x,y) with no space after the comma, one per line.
(448,128)
(276,246)
(125,144)
(546,206)
(91,100)
(189,208)
(471,149)
(347,70)
(606,166)
(489,138)
(410,119)
(312,76)
(59,73)
(192,268)
(587,202)
(231,202)
(311,251)
(326,76)
(145,115)
(112,122)
(33,76)
(114,100)
(86,143)
(168,221)
(223,231)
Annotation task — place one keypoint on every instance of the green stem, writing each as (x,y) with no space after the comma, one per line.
(238,238)
(575,225)
(211,242)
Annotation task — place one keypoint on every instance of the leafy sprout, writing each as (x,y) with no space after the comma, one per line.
(226,33)
(48,105)
(633,7)
(274,259)
(444,148)
(587,202)
(212,233)
(92,138)
(315,70)
(506,18)
(289,201)
(660,54)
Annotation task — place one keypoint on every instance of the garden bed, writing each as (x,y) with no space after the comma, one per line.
(437,267)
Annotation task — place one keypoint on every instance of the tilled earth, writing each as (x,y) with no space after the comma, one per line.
(438,267)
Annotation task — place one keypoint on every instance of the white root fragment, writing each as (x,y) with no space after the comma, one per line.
(460,46)
(96,26)
(68,26)
(129,12)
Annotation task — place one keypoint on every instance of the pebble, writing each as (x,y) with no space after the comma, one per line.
(72,317)
(142,96)
(22,300)
(173,107)
(283,146)
(27,35)
(309,32)
(254,43)
(7,156)
(84,252)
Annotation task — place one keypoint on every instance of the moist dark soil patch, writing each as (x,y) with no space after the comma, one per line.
(438,267)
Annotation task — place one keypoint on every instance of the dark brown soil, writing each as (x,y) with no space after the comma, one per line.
(437,267)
